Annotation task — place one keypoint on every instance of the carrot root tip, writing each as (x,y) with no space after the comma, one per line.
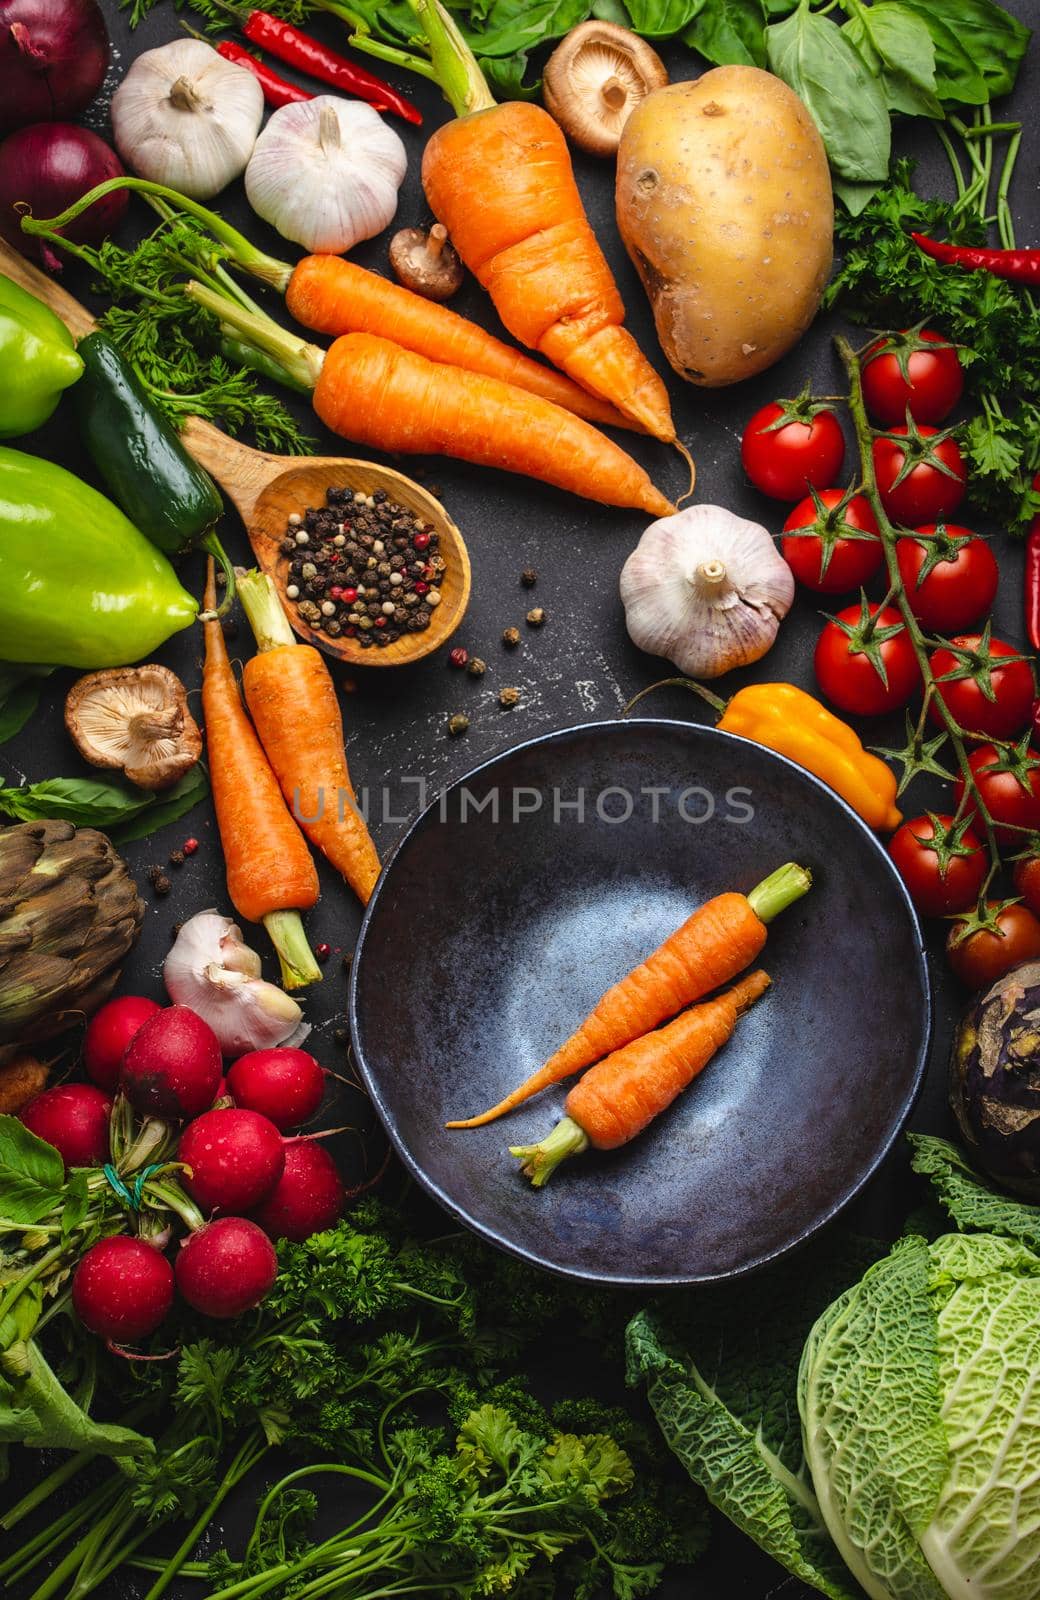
(539,1161)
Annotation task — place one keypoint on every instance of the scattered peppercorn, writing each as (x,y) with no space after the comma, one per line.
(341,1036)
(457,724)
(458,657)
(511,638)
(322,951)
(176,858)
(476,667)
(529,577)
(536,617)
(369,571)
(190,846)
(508,698)
(159,881)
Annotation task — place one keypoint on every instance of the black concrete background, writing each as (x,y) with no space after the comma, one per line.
(581,666)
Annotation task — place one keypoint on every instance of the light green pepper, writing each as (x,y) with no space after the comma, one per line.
(37,358)
(79,585)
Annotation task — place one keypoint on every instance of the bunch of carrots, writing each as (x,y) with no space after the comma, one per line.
(285,751)
(636,1068)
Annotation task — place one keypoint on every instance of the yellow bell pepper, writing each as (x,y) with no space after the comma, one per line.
(786,719)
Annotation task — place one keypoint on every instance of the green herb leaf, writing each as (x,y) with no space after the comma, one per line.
(729,33)
(897,46)
(661,19)
(87,802)
(992,39)
(958,80)
(169,805)
(974,1205)
(77,1204)
(32,1174)
(812,55)
(36,1410)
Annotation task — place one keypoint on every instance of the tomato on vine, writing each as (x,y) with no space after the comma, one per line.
(950,575)
(1008,784)
(1027,882)
(865,660)
(921,476)
(983,946)
(916,370)
(942,862)
(831,541)
(986,685)
(791,446)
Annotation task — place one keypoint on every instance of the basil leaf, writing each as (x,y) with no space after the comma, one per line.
(660,19)
(855,197)
(957,78)
(32,1174)
(20,688)
(895,43)
(611,11)
(729,33)
(87,802)
(995,42)
(167,807)
(846,102)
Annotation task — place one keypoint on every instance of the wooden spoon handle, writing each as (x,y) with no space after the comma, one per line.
(75,317)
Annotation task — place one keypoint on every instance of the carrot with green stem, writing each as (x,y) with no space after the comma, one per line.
(714,944)
(292,702)
(270,874)
(622,1094)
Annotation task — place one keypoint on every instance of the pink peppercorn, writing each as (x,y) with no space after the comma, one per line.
(420,587)
(421,541)
(189,847)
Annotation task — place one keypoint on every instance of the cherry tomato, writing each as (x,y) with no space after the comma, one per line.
(983,956)
(934,486)
(986,662)
(958,587)
(943,871)
(933,367)
(804,451)
(848,676)
(1027,882)
(850,562)
(1009,783)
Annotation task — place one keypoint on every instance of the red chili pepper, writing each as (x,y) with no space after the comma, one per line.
(1032,578)
(277,91)
(1018,266)
(298,49)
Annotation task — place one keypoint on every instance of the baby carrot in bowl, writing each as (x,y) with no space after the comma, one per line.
(720,939)
(622,1094)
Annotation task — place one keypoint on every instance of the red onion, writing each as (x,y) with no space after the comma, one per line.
(47,167)
(53,58)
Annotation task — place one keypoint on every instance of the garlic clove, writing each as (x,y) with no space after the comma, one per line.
(211,970)
(707,590)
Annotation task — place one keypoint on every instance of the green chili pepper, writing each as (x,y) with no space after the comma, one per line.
(37,359)
(146,469)
(79,585)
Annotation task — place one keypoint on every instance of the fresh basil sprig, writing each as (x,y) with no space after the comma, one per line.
(118,810)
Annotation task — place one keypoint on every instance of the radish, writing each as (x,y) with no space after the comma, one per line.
(74,1119)
(308,1197)
(172,1066)
(226,1268)
(286,1085)
(235,1158)
(109,1031)
(122,1288)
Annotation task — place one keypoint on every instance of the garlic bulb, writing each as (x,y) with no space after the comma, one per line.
(185,117)
(706,589)
(213,972)
(326,172)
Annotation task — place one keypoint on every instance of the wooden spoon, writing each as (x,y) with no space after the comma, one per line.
(265,489)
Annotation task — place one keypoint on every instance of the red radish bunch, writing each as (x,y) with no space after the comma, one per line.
(308,1197)
(226,1268)
(73,1117)
(122,1289)
(233,1158)
(109,1031)
(172,1067)
(285,1085)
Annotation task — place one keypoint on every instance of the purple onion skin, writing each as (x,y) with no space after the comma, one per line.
(53,59)
(47,166)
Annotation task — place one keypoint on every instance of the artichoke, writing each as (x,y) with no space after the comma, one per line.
(995,1079)
(69,912)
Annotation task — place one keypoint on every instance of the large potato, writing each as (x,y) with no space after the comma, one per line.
(724,203)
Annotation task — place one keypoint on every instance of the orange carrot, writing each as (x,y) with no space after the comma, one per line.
(500,179)
(374,392)
(270,874)
(623,1093)
(292,702)
(720,939)
(331,295)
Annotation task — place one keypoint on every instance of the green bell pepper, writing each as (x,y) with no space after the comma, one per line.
(37,358)
(79,585)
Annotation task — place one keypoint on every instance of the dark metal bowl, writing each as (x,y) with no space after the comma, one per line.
(486,942)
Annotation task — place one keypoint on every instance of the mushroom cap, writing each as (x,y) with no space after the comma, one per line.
(135,719)
(426,262)
(595,78)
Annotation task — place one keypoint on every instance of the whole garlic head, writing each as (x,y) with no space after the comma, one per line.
(706,589)
(325,173)
(185,117)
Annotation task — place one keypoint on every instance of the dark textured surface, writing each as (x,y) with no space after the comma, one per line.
(527,920)
(580,666)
